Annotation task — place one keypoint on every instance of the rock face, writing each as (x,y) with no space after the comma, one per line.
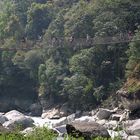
(7,104)
(130,101)
(86,129)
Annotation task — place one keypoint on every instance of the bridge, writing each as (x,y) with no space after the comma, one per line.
(74,42)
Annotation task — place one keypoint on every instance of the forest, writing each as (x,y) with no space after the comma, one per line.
(84,76)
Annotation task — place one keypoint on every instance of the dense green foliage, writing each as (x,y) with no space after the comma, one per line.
(62,71)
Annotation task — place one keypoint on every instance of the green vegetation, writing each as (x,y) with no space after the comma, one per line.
(41,134)
(64,72)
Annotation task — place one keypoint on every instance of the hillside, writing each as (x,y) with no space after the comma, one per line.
(61,70)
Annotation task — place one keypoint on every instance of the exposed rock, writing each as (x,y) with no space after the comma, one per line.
(130,101)
(132,127)
(27,131)
(1,113)
(21,123)
(36,109)
(78,114)
(71,118)
(55,117)
(39,122)
(60,122)
(111,125)
(3,119)
(121,134)
(93,112)
(133,138)
(85,118)
(104,113)
(115,117)
(86,129)
(3,129)
(86,113)
(101,122)
(51,113)
(14,115)
(61,130)
(10,103)
(64,110)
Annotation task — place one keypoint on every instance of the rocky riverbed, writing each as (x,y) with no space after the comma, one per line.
(99,122)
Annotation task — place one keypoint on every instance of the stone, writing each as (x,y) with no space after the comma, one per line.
(86,113)
(104,113)
(36,109)
(111,125)
(121,134)
(132,127)
(61,121)
(133,138)
(85,118)
(27,131)
(86,129)
(51,113)
(14,115)
(115,117)
(21,123)
(71,118)
(93,112)
(61,130)
(3,119)
(3,129)
(101,122)
(64,110)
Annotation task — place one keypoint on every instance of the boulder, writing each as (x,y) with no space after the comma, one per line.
(61,130)
(104,113)
(133,138)
(36,109)
(133,127)
(86,129)
(3,119)
(14,115)
(61,121)
(50,114)
(20,123)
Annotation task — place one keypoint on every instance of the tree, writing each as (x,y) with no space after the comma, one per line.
(38,19)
